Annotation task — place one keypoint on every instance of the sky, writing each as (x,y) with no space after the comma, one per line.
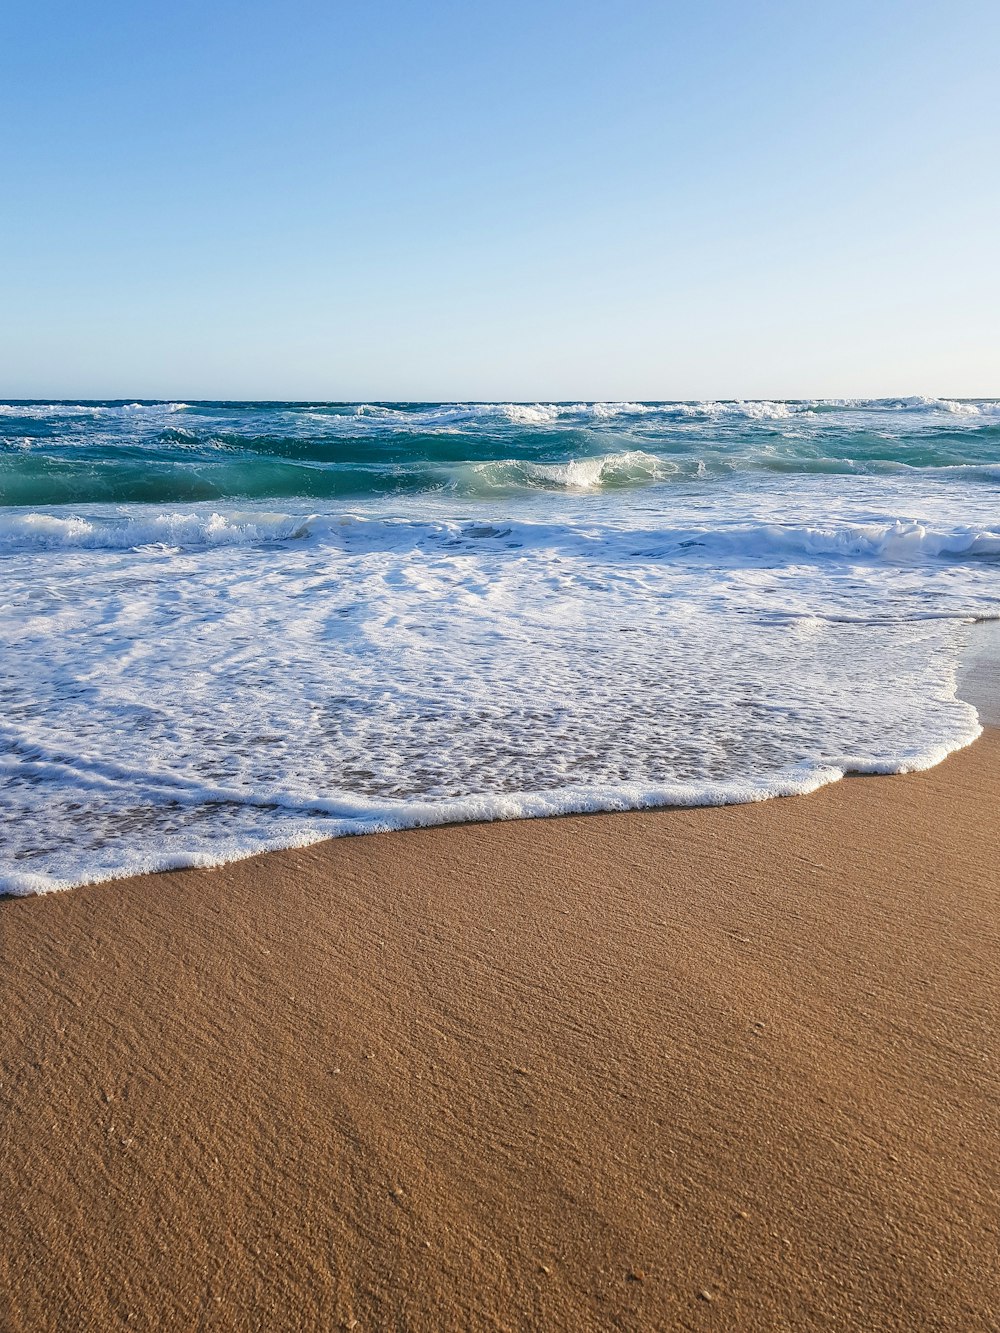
(544,200)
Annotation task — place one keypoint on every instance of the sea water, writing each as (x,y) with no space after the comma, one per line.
(235,626)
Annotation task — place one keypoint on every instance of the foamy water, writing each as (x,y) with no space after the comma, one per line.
(234,627)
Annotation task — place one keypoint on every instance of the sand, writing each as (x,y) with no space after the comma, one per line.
(711,1069)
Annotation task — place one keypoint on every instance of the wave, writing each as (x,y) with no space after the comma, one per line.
(187,468)
(173,453)
(963,407)
(630,467)
(347,816)
(538,413)
(28,410)
(40,531)
(899,542)
(549,414)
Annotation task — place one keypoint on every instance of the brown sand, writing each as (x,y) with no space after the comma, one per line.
(712,1069)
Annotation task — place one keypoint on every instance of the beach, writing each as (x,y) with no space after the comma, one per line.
(712,1045)
(712,1068)
(500,669)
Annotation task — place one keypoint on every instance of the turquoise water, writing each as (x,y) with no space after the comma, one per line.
(66,453)
(234,626)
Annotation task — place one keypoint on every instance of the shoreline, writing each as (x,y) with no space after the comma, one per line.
(978,677)
(977,684)
(714,1067)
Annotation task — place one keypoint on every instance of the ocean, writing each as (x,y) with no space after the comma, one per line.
(232,626)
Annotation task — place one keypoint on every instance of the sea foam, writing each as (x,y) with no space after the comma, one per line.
(470,611)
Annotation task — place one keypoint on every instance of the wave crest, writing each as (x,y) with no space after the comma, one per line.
(628,467)
(900,542)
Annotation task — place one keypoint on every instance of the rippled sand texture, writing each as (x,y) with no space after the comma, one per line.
(721,1068)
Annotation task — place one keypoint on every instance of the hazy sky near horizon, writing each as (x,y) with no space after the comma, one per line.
(517,201)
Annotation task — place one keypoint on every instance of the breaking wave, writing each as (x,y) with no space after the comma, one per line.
(235,626)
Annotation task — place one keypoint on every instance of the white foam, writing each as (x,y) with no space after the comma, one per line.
(450,416)
(915,403)
(530,414)
(622,468)
(900,541)
(193,683)
(42,411)
(170,528)
(259,680)
(390,816)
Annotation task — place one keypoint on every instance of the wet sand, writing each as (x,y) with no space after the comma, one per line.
(720,1069)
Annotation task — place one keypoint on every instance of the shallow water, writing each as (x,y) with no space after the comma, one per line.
(236,626)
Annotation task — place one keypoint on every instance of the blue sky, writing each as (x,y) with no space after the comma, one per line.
(544,200)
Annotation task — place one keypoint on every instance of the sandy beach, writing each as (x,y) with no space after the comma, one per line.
(500,668)
(717,1068)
